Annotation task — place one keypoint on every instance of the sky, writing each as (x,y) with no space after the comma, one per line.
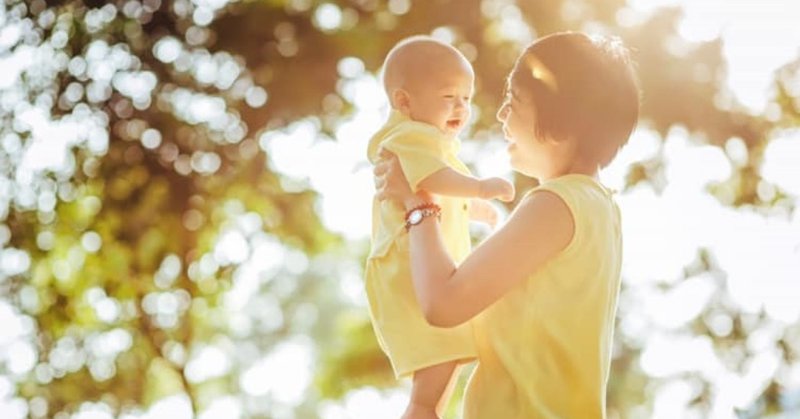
(759,36)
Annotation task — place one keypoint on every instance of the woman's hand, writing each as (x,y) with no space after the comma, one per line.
(391,183)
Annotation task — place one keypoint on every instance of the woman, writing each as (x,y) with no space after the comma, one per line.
(541,291)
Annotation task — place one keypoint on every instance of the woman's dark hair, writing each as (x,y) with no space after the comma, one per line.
(582,87)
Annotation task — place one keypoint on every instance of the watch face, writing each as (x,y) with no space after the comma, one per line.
(415,217)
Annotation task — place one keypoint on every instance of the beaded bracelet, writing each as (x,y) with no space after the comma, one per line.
(415,215)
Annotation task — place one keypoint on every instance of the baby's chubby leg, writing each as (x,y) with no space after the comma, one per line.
(428,397)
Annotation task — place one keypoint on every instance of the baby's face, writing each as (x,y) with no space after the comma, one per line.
(443,99)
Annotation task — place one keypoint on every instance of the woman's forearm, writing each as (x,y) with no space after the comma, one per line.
(431,270)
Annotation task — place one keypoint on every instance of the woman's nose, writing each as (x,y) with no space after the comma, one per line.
(502,112)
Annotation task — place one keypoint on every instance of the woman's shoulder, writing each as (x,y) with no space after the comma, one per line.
(592,206)
(575,187)
(583,197)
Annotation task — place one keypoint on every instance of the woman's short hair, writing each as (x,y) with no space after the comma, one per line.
(583,87)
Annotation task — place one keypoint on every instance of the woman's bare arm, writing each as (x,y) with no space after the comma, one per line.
(539,228)
(536,231)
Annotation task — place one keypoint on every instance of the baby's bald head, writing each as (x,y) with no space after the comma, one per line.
(413,60)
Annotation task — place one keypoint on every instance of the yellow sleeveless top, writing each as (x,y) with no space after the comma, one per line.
(544,349)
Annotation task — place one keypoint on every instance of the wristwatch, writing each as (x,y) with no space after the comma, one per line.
(417,214)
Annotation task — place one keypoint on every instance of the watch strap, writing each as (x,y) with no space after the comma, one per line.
(426,210)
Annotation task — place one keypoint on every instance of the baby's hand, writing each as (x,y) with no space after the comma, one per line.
(484,212)
(496,187)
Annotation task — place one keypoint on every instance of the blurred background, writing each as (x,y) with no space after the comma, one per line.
(184,201)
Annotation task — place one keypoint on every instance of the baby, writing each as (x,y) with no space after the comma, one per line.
(429,85)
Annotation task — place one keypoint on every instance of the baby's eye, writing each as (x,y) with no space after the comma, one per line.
(449,96)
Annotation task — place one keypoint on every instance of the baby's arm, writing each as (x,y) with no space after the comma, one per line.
(483,211)
(452,183)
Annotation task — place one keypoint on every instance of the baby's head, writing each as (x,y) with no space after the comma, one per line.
(429,81)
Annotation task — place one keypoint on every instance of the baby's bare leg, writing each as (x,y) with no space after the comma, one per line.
(430,391)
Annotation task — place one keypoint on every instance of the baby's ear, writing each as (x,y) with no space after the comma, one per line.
(401,101)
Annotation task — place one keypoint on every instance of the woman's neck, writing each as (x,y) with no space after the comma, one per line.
(576,167)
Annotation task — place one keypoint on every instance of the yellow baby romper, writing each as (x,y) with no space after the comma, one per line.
(544,349)
(403,333)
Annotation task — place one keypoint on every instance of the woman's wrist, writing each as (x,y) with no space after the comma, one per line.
(413,202)
(419,198)
(419,213)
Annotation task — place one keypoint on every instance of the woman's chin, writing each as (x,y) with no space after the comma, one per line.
(513,159)
(515,166)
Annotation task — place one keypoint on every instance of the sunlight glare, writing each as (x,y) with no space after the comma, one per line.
(174,407)
(643,144)
(670,354)
(232,248)
(367,403)
(228,407)
(758,253)
(328,16)
(283,374)
(758,37)
(207,363)
(690,295)
(672,399)
(781,161)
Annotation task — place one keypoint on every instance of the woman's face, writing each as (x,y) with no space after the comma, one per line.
(541,158)
(518,116)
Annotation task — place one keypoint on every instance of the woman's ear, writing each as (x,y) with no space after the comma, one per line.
(401,101)
(568,146)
